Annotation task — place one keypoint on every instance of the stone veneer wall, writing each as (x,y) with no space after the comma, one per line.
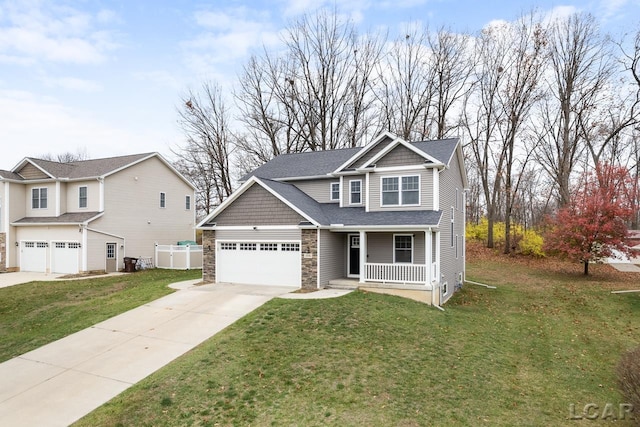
(208,256)
(3,251)
(309,256)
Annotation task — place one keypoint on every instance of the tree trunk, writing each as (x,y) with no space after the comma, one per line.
(586,268)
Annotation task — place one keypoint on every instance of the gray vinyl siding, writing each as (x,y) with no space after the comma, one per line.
(380,247)
(450,266)
(333,256)
(259,235)
(370,154)
(400,156)
(346,190)
(319,189)
(426,190)
(257,206)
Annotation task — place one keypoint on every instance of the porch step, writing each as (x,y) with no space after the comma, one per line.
(355,284)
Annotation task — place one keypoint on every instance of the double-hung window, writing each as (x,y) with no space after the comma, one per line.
(38,198)
(82,197)
(403,248)
(401,190)
(187,202)
(356,192)
(335,191)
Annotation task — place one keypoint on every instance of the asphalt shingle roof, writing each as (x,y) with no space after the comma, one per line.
(320,163)
(331,213)
(87,168)
(10,175)
(67,218)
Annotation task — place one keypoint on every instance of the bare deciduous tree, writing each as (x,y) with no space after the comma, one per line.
(204,120)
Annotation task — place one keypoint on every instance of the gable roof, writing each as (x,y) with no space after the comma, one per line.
(84,169)
(322,164)
(329,214)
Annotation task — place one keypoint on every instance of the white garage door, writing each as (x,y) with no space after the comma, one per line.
(33,256)
(259,263)
(64,257)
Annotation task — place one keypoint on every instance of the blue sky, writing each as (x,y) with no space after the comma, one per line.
(106,77)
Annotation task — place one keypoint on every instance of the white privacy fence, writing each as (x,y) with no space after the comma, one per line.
(178,257)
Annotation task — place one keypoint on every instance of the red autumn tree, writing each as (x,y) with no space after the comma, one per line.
(592,226)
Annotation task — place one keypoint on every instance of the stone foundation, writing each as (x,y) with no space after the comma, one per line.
(309,256)
(208,256)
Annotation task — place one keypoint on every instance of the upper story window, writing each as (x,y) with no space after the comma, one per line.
(38,198)
(163,200)
(82,197)
(401,190)
(335,191)
(355,192)
(187,203)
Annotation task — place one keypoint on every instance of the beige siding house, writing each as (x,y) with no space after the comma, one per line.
(387,215)
(89,215)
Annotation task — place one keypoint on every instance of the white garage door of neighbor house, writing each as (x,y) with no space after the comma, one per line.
(64,257)
(258,263)
(33,256)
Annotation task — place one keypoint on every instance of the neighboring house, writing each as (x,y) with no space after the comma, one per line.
(88,215)
(390,214)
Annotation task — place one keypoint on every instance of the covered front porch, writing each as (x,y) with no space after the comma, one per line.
(398,259)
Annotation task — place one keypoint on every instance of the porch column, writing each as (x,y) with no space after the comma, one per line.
(427,255)
(363,255)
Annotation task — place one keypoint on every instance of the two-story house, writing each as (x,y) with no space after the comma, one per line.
(88,215)
(390,214)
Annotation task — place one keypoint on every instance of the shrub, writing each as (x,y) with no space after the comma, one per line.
(629,379)
(527,242)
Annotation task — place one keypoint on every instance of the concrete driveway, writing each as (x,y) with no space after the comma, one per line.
(10,279)
(61,382)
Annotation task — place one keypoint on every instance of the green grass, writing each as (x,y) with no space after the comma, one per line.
(517,355)
(36,313)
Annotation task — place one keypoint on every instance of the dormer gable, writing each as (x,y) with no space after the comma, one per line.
(387,151)
(29,170)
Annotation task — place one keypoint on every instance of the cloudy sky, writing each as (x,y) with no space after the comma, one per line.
(105,76)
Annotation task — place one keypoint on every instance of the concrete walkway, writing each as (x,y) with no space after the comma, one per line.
(12,279)
(61,382)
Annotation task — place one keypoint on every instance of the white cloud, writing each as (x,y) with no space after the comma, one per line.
(559,13)
(73,83)
(33,126)
(40,31)
(159,77)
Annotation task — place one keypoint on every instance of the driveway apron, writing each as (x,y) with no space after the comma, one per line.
(61,382)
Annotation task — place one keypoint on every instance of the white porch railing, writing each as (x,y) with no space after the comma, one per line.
(395,273)
(179,257)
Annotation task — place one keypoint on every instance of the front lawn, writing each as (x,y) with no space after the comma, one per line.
(37,313)
(522,354)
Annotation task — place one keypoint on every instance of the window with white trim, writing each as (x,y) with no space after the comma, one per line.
(187,202)
(73,245)
(402,248)
(82,197)
(111,251)
(227,246)
(60,245)
(163,200)
(38,198)
(268,246)
(248,246)
(400,190)
(355,187)
(335,191)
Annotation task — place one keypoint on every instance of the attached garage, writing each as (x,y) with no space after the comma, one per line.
(33,256)
(65,257)
(259,263)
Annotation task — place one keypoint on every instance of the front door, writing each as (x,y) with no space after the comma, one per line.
(112,259)
(354,255)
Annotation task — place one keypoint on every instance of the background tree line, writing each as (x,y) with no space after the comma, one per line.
(537,102)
